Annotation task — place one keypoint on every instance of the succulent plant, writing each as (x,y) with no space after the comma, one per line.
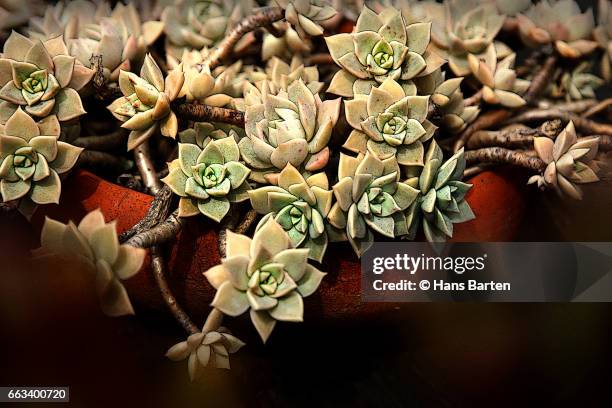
(67,18)
(42,78)
(293,126)
(450,111)
(558,22)
(569,162)
(370,198)
(511,8)
(287,45)
(265,275)
(145,104)
(31,159)
(306,14)
(95,244)
(500,86)
(201,85)
(205,348)
(577,84)
(121,39)
(603,36)
(14,13)
(464,27)
(389,123)
(194,24)
(441,202)
(381,46)
(208,180)
(300,206)
(277,76)
(203,132)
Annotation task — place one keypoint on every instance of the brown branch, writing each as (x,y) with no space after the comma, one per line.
(540,80)
(583,125)
(110,141)
(319,59)
(519,138)
(93,159)
(605,142)
(260,18)
(492,118)
(573,106)
(248,220)
(142,157)
(505,156)
(161,233)
(204,113)
(601,106)
(229,223)
(158,211)
(159,272)
(102,90)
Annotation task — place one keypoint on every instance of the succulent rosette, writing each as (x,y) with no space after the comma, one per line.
(203,132)
(305,15)
(569,162)
(121,39)
(201,85)
(450,111)
(42,78)
(208,180)
(31,160)
(464,27)
(558,22)
(145,104)
(441,202)
(300,205)
(370,198)
(204,349)
(389,123)
(291,127)
(94,243)
(67,18)
(14,13)
(285,46)
(500,86)
(194,24)
(577,84)
(381,46)
(603,35)
(264,275)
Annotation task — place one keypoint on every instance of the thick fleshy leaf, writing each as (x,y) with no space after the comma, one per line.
(214,208)
(68,105)
(289,308)
(47,190)
(105,243)
(264,324)
(310,281)
(66,157)
(129,261)
(230,300)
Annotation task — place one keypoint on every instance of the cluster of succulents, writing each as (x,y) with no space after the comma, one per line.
(240,95)
(570,161)
(145,104)
(94,244)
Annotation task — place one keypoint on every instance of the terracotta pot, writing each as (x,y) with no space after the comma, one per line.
(496,199)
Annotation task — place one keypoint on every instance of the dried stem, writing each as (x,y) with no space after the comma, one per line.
(474,170)
(204,113)
(493,118)
(102,90)
(158,211)
(583,125)
(213,321)
(518,138)
(573,106)
(110,141)
(605,142)
(161,233)
(142,156)
(229,223)
(248,220)
(600,107)
(319,59)
(260,18)
(505,156)
(159,272)
(102,161)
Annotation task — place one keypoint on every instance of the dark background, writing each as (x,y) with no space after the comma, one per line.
(442,355)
